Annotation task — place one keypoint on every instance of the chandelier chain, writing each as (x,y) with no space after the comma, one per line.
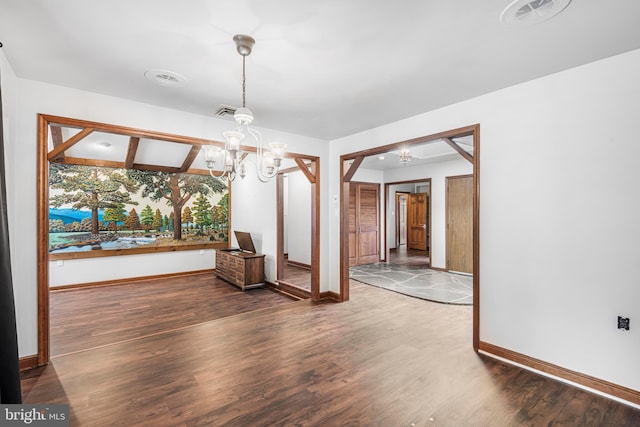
(244,83)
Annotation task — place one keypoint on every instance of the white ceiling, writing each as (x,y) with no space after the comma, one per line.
(319,68)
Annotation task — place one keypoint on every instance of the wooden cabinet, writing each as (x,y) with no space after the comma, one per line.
(243,269)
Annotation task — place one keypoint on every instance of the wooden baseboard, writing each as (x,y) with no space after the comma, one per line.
(28,362)
(392,250)
(129,280)
(288,290)
(438,269)
(330,296)
(584,380)
(299,264)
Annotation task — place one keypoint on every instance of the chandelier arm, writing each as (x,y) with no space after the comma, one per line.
(217,176)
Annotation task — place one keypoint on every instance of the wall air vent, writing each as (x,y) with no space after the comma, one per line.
(529,12)
(224,110)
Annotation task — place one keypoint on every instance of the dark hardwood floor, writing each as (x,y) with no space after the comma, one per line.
(381,359)
(297,276)
(96,316)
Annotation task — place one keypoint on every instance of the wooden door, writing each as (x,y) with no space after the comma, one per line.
(417,219)
(460,224)
(364,224)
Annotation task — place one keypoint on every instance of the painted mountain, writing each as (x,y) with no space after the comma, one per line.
(71,215)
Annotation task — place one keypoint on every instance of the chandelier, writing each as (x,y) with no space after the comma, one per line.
(234,161)
(404,156)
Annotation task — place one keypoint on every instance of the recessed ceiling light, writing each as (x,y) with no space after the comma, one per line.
(104,144)
(529,12)
(380,157)
(165,78)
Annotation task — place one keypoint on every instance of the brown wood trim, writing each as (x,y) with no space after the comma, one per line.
(89,162)
(128,131)
(135,251)
(131,152)
(454,133)
(299,264)
(42,203)
(460,151)
(438,269)
(304,168)
(60,149)
(594,383)
(188,161)
(288,290)
(348,176)
(476,237)
(292,289)
(129,280)
(330,296)
(28,362)
(344,238)
(280,256)
(56,136)
(315,231)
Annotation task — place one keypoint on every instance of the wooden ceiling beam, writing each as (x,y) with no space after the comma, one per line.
(56,136)
(193,153)
(131,152)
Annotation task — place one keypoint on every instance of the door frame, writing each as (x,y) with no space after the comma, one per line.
(386,209)
(310,171)
(349,164)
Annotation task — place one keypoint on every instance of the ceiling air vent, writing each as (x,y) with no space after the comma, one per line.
(165,78)
(223,110)
(529,12)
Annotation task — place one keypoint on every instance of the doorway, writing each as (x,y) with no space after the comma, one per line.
(401,220)
(298,212)
(465,143)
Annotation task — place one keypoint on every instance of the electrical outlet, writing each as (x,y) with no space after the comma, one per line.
(623,323)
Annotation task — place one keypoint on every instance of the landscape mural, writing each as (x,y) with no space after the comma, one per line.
(99,208)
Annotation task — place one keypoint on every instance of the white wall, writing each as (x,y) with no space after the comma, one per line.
(299,218)
(255,212)
(25,99)
(559,210)
(438,173)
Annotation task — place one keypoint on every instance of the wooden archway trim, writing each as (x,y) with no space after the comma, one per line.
(304,168)
(58,152)
(459,149)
